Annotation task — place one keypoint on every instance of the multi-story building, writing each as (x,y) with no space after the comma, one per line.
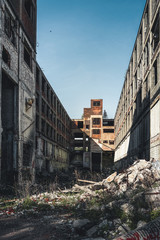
(17,88)
(93,138)
(53,128)
(137,118)
(34,130)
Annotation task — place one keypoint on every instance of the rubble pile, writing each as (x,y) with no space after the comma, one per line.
(107,209)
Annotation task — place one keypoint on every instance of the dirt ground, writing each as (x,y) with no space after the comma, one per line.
(45,226)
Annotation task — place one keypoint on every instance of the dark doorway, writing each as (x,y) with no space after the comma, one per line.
(96,162)
(9,118)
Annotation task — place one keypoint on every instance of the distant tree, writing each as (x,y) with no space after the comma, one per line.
(105,115)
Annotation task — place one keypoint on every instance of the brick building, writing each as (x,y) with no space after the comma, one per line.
(137,118)
(34,126)
(52,128)
(17,87)
(93,138)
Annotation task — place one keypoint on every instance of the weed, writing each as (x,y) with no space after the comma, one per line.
(155,213)
(28,203)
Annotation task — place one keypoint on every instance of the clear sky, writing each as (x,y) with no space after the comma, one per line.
(84,48)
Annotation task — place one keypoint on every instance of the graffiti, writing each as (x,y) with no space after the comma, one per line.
(150,231)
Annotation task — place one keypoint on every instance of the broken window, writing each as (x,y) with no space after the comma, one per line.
(108,130)
(52,98)
(48,89)
(37,122)
(96,103)
(29,7)
(146,21)
(155,34)
(96,121)
(43,106)
(55,105)
(6,57)
(111,142)
(37,102)
(48,112)
(43,124)
(10,26)
(37,76)
(80,124)
(27,55)
(96,131)
(107,122)
(43,85)
(155,72)
(105,141)
(87,126)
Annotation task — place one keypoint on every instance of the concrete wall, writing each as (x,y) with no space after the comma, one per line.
(22,77)
(137,116)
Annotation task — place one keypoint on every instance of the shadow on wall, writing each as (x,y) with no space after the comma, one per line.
(138,136)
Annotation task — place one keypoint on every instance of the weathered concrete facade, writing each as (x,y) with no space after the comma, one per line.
(137,118)
(17,87)
(93,138)
(53,128)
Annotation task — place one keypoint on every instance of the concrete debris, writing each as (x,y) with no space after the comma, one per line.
(103,210)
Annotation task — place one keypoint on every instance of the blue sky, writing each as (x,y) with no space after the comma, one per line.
(84,48)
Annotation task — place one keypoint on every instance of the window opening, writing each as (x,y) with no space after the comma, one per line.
(27,55)
(6,56)
(96,103)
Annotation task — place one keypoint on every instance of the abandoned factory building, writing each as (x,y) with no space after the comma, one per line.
(36,133)
(93,138)
(34,126)
(53,128)
(137,118)
(17,87)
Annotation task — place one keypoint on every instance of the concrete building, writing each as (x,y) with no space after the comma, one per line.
(137,118)
(17,88)
(53,129)
(34,126)
(93,138)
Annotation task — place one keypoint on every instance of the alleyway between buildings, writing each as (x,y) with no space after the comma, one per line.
(124,204)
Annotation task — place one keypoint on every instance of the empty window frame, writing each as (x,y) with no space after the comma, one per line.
(37,76)
(10,27)
(30,9)
(155,72)
(108,130)
(96,103)
(43,85)
(37,122)
(108,122)
(87,127)
(80,124)
(43,126)
(155,33)
(43,106)
(111,142)
(27,55)
(96,121)
(105,141)
(96,131)
(6,57)
(37,102)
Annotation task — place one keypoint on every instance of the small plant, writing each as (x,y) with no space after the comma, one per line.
(155,213)
(28,203)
